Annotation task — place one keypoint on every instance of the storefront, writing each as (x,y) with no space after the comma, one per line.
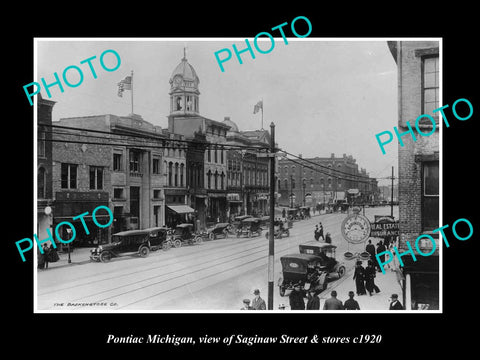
(70,204)
(421,283)
(217,207)
(235,205)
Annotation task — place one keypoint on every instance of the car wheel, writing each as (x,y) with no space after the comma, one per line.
(177,243)
(211,236)
(144,251)
(198,240)
(105,256)
(341,271)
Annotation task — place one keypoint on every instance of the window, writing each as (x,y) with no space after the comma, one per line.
(156,193)
(156,166)
(68,176)
(285,183)
(41,142)
(182,170)
(216,155)
(222,181)
(221,156)
(170,172)
(209,179)
(41,183)
(118,193)
(209,155)
(430,218)
(96,178)
(176,175)
(430,87)
(216,180)
(117,161)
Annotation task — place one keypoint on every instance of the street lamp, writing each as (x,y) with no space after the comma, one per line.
(303,191)
(69,232)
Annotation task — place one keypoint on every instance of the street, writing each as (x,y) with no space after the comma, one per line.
(214,275)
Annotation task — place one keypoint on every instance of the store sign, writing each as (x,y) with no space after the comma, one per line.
(384,229)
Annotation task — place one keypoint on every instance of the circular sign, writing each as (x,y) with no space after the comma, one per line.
(355,228)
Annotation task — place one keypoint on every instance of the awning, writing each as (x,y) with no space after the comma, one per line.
(181,209)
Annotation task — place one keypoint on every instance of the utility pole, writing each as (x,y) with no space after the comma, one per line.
(271,249)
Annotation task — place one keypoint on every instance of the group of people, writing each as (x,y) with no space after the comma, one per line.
(365,278)
(297,302)
(256,304)
(318,233)
(381,247)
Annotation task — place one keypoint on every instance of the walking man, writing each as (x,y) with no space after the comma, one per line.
(351,304)
(316,233)
(258,303)
(370,275)
(296,298)
(320,231)
(313,302)
(370,248)
(333,303)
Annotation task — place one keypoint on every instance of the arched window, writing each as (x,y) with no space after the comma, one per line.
(209,179)
(170,173)
(285,183)
(182,170)
(176,175)
(222,181)
(216,179)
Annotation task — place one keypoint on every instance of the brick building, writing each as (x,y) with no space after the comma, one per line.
(44,166)
(418,170)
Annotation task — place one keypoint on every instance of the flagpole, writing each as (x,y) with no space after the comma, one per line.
(262,115)
(131,92)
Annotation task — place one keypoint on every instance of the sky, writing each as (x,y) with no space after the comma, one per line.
(323,95)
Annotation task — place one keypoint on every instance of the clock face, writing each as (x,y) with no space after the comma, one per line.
(356,228)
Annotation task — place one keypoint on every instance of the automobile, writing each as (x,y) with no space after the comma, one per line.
(249,227)
(279,230)
(237,221)
(139,242)
(265,222)
(218,230)
(314,266)
(184,234)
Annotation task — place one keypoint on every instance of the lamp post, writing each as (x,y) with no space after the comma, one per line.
(271,249)
(69,232)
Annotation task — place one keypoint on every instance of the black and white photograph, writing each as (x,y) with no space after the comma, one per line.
(156,159)
(290,181)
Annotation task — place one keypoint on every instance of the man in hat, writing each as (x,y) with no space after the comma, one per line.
(296,298)
(395,304)
(313,302)
(246,305)
(351,304)
(258,303)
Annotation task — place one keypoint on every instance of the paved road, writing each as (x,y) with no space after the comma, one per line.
(215,275)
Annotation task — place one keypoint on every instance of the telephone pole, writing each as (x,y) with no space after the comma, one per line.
(271,249)
(391,198)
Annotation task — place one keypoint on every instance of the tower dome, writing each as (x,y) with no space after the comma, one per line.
(233,126)
(184,93)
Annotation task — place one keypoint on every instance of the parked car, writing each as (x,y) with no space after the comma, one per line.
(218,230)
(314,266)
(249,227)
(139,242)
(237,222)
(265,222)
(184,234)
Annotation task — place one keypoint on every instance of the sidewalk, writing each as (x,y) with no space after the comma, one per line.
(77,257)
(388,284)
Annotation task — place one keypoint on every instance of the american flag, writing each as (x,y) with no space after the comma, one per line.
(258,106)
(125,84)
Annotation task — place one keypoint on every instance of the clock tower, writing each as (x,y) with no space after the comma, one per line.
(184,93)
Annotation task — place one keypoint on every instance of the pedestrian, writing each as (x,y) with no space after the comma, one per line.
(246,305)
(359,277)
(316,233)
(328,238)
(395,304)
(46,254)
(380,249)
(258,303)
(284,213)
(370,275)
(320,230)
(296,298)
(40,259)
(370,248)
(313,302)
(351,304)
(333,303)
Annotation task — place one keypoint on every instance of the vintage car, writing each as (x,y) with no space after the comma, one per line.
(249,227)
(280,230)
(265,222)
(139,242)
(218,230)
(184,234)
(315,266)
(237,222)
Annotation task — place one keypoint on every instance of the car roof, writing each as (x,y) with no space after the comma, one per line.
(132,232)
(251,219)
(221,224)
(304,257)
(184,225)
(319,245)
